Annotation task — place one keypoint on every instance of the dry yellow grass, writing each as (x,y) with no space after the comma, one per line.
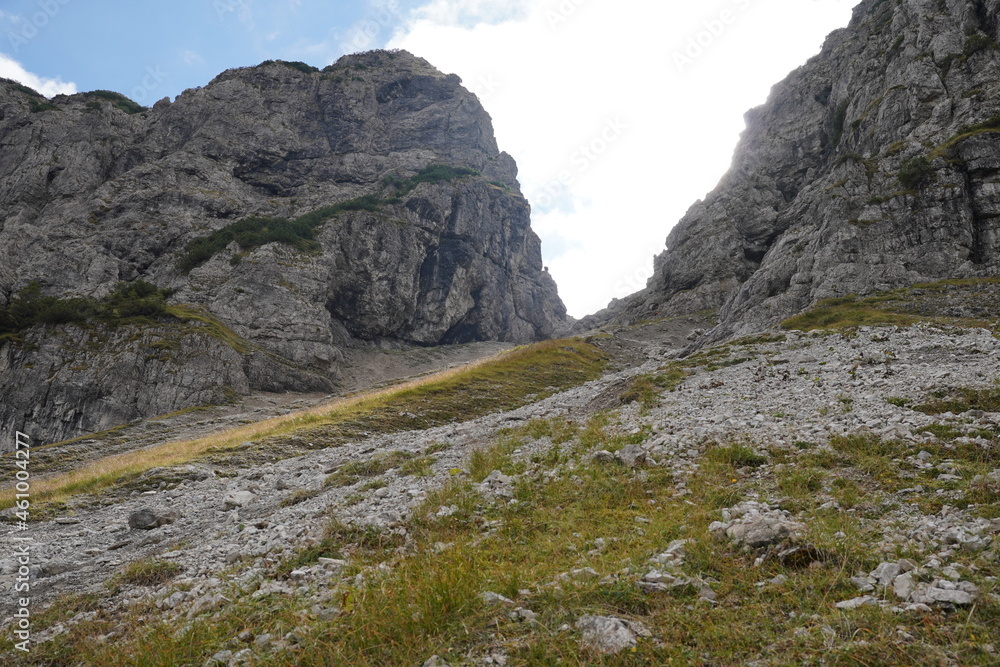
(105,471)
(506,379)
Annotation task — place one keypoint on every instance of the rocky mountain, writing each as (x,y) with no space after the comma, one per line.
(874,165)
(276,217)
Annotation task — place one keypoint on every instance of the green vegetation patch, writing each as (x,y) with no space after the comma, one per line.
(520,377)
(255,232)
(434,173)
(298,65)
(947,302)
(147,572)
(300,232)
(354,471)
(915,172)
(38,106)
(421,594)
(962,400)
(647,389)
(118,100)
(21,88)
(127,303)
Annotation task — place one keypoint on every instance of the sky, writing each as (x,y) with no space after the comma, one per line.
(620,114)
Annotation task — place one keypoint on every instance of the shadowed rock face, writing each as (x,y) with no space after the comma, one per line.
(91,195)
(825,197)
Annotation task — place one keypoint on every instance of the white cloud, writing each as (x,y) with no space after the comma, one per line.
(11,69)
(556,74)
(472,12)
(191,58)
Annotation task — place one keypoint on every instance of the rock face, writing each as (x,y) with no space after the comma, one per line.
(875,165)
(91,194)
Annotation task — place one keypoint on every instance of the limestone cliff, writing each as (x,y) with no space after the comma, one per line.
(293,212)
(875,165)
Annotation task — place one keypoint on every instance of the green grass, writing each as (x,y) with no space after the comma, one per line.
(426,601)
(129,302)
(38,106)
(146,572)
(844,312)
(419,466)
(914,173)
(353,472)
(522,376)
(300,233)
(118,100)
(736,455)
(254,232)
(200,320)
(297,65)
(504,382)
(21,88)
(962,400)
(297,497)
(923,302)
(434,173)
(647,389)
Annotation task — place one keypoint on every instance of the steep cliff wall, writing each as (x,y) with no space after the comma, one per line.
(302,210)
(875,165)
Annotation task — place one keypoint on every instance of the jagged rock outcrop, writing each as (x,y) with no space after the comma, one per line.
(431,242)
(875,165)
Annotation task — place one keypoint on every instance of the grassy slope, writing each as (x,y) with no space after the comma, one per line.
(504,382)
(973,302)
(428,601)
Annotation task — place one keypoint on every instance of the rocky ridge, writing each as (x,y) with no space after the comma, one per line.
(418,234)
(875,165)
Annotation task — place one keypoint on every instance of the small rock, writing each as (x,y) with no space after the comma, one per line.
(941,591)
(886,573)
(523,615)
(495,598)
(435,661)
(220,658)
(632,456)
(606,635)
(760,531)
(903,586)
(863,584)
(147,519)
(863,601)
(582,574)
(706,593)
(498,484)
(237,499)
(603,456)
(333,565)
